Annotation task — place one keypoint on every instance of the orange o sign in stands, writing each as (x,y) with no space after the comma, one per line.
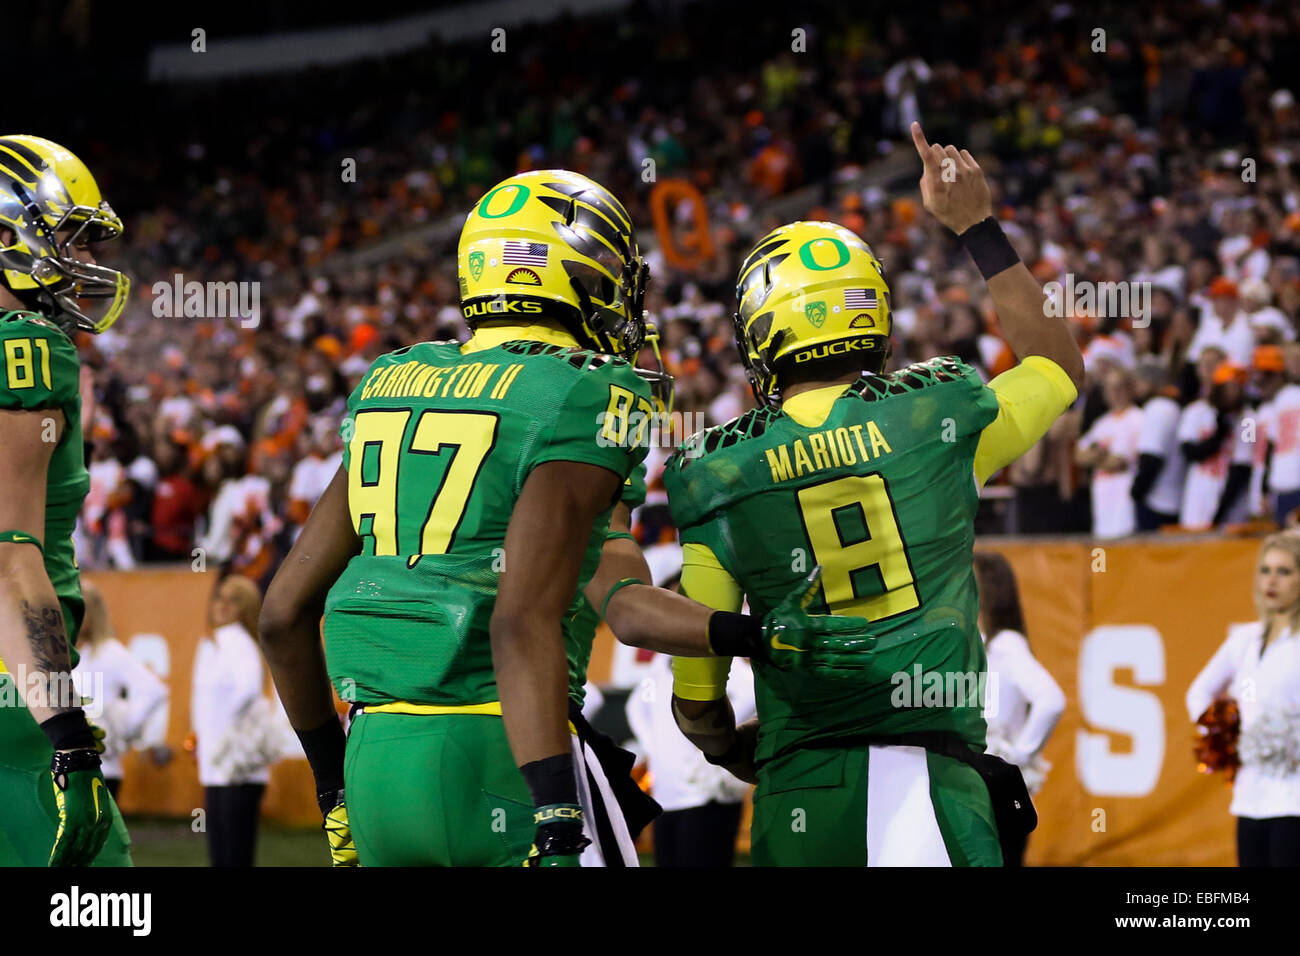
(696,244)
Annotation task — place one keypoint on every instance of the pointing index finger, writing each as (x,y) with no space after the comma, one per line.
(922,146)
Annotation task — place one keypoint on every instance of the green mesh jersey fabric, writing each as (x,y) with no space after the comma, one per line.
(882,495)
(39,369)
(438,445)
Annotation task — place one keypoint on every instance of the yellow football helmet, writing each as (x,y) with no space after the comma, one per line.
(50,203)
(552,243)
(809,291)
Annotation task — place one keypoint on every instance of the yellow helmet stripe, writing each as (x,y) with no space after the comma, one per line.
(604,230)
(599,199)
(24,168)
(760,253)
(607,203)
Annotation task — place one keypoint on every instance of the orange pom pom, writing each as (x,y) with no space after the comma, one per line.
(1216,747)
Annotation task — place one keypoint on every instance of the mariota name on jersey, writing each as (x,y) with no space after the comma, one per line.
(414,379)
(831,448)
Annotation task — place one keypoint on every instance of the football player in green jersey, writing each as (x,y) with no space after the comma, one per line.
(54,807)
(876,478)
(460,539)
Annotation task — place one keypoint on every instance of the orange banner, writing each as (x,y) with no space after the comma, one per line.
(1122,627)
(161,615)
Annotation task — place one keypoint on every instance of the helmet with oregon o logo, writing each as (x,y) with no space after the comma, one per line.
(50,204)
(553,243)
(809,291)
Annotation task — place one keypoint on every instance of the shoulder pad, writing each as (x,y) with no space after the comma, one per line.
(579,358)
(917,376)
(573,355)
(752,424)
(27,319)
(405,349)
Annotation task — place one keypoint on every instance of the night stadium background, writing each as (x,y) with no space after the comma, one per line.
(326,156)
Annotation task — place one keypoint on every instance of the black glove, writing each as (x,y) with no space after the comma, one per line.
(559,840)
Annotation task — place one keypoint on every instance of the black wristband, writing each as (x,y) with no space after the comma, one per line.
(989,246)
(551,780)
(735,635)
(324,748)
(69,730)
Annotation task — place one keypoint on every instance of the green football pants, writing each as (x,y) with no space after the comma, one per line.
(29,818)
(876,806)
(436,791)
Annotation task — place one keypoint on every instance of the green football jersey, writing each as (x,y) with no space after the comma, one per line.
(41,370)
(882,495)
(438,444)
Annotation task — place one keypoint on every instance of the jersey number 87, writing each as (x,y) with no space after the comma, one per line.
(468,437)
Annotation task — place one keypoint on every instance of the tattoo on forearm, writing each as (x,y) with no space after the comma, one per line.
(48,640)
(712,730)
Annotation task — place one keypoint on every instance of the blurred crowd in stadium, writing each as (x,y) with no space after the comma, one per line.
(1164,152)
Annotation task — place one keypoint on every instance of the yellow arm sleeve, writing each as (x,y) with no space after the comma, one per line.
(705,580)
(1031,397)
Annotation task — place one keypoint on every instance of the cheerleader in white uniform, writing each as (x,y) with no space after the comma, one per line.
(124,692)
(1023,702)
(235,723)
(1259,667)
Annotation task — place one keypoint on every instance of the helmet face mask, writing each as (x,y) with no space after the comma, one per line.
(552,244)
(761,376)
(68,282)
(50,206)
(809,292)
(659,379)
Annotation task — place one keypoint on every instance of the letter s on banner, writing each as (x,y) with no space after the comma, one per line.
(1107,705)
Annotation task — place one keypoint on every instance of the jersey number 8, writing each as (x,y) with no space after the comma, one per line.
(851,525)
